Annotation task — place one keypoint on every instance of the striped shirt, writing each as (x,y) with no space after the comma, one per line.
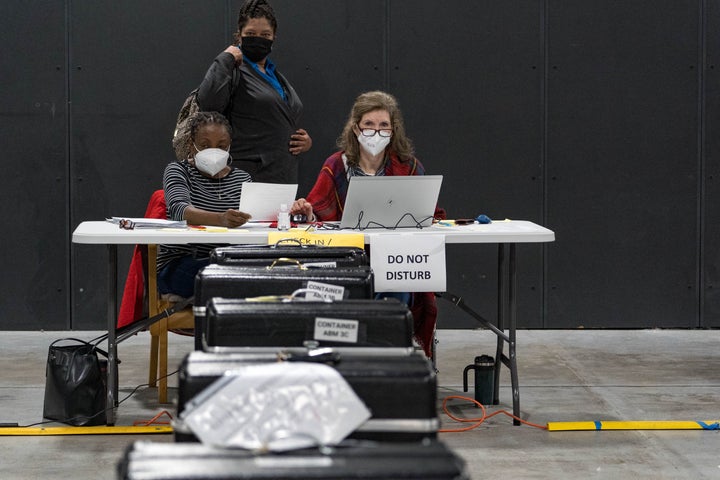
(185,186)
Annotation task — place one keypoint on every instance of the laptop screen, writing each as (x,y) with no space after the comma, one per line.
(391,202)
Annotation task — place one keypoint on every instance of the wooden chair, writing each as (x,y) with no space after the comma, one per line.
(141,298)
(182,320)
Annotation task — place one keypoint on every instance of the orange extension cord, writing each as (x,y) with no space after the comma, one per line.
(155,420)
(477,421)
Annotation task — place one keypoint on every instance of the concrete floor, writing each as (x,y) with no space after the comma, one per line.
(577,375)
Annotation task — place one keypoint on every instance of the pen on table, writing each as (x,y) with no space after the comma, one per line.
(208,229)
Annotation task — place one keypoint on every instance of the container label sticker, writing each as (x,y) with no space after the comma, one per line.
(336,330)
(324,291)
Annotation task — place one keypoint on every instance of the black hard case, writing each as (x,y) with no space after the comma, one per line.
(399,390)
(261,255)
(242,282)
(242,323)
(431,460)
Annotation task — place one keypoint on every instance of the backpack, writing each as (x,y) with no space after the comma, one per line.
(189,108)
(182,127)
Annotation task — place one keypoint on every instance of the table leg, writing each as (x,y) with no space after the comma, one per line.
(501,302)
(507,318)
(112,376)
(512,311)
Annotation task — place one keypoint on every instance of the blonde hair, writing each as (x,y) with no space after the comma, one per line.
(366,102)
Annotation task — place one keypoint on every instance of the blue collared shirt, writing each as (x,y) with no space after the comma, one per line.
(269,75)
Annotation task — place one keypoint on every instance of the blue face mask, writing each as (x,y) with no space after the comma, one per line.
(255,48)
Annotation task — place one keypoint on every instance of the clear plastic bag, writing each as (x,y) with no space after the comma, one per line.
(276,407)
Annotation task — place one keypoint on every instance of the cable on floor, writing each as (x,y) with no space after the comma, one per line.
(477,421)
(105,410)
(155,420)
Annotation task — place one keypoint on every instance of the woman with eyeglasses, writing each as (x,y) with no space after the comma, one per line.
(260,103)
(373,142)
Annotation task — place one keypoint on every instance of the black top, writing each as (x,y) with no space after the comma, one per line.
(262,121)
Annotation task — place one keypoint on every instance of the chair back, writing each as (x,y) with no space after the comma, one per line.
(134,304)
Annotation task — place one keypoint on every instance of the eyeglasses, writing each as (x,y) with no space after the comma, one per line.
(369,132)
(126,224)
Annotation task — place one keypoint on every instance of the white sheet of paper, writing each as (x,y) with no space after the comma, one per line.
(263,200)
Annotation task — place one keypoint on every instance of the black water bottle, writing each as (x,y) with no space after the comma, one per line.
(484,367)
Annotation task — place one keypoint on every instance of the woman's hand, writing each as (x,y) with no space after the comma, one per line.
(233,218)
(235,52)
(304,207)
(300,142)
(229,218)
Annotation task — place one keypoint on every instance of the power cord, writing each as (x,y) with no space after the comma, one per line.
(67,420)
(418,223)
(154,420)
(478,421)
(336,226)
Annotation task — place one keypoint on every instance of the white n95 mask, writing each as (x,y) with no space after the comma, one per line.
(373,145)
(211,160)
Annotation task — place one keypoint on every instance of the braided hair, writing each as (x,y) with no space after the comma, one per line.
(200,119)
(255,9)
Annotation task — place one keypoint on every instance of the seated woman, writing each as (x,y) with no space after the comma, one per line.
(204,190)
(373,142)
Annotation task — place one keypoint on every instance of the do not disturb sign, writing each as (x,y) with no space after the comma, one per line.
(408,263)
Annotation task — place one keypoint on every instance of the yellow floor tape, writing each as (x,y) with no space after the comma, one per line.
(635,425)
(99,430)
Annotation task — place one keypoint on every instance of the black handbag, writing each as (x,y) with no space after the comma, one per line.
(75,383)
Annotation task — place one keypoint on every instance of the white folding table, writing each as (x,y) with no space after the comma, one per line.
(506,234)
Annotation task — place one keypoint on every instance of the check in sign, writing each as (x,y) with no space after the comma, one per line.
(320,239)
(408,263)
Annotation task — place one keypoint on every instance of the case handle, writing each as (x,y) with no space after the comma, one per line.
(318,355)
(287,260)
(283,240)
(304,291)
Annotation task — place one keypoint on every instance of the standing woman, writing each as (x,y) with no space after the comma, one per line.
(262,106)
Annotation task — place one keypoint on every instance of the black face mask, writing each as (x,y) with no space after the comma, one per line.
(255,48)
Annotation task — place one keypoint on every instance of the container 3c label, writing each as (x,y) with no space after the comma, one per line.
(336,330)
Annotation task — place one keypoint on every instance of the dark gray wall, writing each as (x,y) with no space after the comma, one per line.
(622,163)
(35,199)
(598,119)
(709,173)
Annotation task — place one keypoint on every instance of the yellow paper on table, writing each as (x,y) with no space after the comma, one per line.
(319,239)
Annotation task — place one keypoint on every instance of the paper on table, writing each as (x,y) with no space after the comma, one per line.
(262,200)
(150,222)
(252,224)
